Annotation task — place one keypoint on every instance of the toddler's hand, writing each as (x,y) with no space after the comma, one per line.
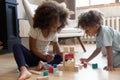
(49,57)
(109,68)
(82,60)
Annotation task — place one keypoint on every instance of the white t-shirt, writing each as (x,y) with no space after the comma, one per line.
(108,37)
(42,43)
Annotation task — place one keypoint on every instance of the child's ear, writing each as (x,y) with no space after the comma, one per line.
(97,26)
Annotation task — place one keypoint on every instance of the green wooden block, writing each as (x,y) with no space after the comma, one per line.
(45,73)
(95,66)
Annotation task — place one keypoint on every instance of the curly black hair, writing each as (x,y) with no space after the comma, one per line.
(90,18)
(47,12)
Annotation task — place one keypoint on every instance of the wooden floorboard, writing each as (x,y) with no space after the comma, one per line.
(8,68)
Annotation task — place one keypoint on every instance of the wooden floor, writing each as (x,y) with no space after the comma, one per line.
(8,68)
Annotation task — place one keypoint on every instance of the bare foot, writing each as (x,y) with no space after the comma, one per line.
(40,65)
(24,74)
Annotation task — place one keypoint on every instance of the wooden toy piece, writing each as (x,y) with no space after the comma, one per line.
(60,67)
(35,72)
(43,78)
(95,66)
(75,68)
(65,50)
(68,68)
(54,65)
(68,60)
(50,69)
(72,50)
(55,70)
(45,73)
(85,65)
(58,73)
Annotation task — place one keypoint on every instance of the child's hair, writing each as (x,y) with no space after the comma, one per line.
(48,12)
(90,18)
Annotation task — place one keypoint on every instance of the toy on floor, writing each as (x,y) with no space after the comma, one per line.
(68,60)
(45,73)
(58,73)
(95,66)
(35,72)
(43,78)
(85,65)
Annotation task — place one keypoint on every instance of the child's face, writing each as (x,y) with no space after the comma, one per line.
(92,31)
(54,26)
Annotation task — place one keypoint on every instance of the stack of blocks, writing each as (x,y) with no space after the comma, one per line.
(68,60)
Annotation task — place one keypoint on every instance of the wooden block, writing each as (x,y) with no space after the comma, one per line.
(43,78)
(45,73)
(62,68)
(85,65)
(76,68)
(95,66)
(58,73)
(36,72)
(68,60)
(72,50)
(66,50)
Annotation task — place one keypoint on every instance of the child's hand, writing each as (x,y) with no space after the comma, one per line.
(82,60)
(109,68)
(49,57)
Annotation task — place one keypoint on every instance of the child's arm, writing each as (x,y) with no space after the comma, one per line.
(32,43)
(56,48)
(109,67)
(94,54)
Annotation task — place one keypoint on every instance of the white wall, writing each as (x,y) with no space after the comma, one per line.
(21,12)
(109,11)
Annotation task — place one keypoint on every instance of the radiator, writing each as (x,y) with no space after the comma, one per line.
(113,22)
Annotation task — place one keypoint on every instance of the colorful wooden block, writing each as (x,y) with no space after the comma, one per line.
(68,60)
(55,70)
(54,65)
(65,50)
(85,65)
(95,66)
(58,73)
(45,73)
(50,69)
(72,50)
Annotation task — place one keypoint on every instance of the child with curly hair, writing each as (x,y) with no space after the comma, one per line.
(49,19)
(106,37)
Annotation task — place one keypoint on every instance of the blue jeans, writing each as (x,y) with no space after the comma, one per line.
(25,57)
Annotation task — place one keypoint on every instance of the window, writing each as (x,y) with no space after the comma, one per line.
(80,3)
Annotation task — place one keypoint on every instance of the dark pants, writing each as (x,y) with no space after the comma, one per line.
(25,57)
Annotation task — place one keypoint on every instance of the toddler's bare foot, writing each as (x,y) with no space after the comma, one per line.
(40,65)
(24,74)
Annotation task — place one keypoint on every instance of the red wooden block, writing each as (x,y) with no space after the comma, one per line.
(50,69)
(85,65)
